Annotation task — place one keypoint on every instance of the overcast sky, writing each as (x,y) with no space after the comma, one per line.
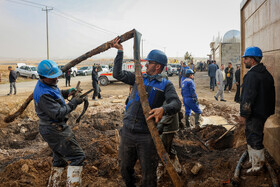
(173,26)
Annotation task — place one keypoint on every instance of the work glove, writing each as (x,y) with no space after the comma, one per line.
(77,100)
(72,91)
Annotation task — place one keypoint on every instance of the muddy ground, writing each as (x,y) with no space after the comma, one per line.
(25,159)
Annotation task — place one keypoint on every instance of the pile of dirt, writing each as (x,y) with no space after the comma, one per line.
(220,109)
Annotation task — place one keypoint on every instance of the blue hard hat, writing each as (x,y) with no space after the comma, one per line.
(49,69)
(189,71)
(253,51)
(157,56)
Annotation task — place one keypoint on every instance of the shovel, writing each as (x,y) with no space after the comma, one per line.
(211,143)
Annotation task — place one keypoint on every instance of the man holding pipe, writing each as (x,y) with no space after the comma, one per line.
(136,140)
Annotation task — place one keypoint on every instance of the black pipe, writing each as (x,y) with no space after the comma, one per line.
(235,179)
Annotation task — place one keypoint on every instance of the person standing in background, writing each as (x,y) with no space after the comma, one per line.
(229,75)
(68,77)
(237,79)
(212,68)
(95,85)
(180,73)
(221,81)
(12,80)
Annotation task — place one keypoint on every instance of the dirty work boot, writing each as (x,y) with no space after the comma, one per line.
(248,164)
(55,177)
(74,176)
(196,119)
(258,160)
(176,164)
(160,171)
(187,118)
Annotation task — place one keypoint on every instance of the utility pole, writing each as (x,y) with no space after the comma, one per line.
(142,48)
(164,49)
(47,27)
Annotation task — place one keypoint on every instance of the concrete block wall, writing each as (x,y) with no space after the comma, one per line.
(260,26)
(230,53)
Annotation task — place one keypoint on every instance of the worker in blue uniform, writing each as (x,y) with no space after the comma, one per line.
(51,109)
(190,99)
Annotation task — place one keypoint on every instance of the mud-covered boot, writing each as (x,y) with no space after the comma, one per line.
(55,177)
(176,164)
(248,164)
(160,171)
(258,160)
(187,118)
(74,176)
(196,119)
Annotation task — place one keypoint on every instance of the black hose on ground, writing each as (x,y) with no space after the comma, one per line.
(235,179)
(272,175)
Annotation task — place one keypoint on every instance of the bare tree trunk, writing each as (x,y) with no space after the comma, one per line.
(104,47)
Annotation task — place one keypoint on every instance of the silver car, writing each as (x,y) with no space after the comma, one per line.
(27,71)
(86,70)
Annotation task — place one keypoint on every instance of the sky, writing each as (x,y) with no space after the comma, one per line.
(75,27)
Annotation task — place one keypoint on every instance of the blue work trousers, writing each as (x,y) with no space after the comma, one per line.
(190,105)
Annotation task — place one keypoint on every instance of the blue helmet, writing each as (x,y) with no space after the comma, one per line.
(49,69)
(189,71)
(253,51)
(157,56)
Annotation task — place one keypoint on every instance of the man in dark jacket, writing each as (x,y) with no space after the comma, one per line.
(68,77)
(94,77)
(212,68)
(237,79)
(136,140)
(52,110)
(12,80)
(229,76)
(257,104)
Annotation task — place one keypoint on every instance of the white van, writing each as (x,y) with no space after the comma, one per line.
(106,76)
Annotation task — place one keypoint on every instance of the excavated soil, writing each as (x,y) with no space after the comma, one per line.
(25,159)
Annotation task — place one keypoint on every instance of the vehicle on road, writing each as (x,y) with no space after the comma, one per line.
(26,71)
(106,75)
(168,70)
(174,68)
(86,70)
(74,70)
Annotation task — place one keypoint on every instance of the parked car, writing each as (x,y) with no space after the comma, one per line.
(86,70)
(74,70)
(27,71)
(174,68)
(169,70)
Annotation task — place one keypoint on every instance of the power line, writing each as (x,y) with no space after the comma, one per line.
(35,3)
(84,22)
(67,16)
(23,4)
